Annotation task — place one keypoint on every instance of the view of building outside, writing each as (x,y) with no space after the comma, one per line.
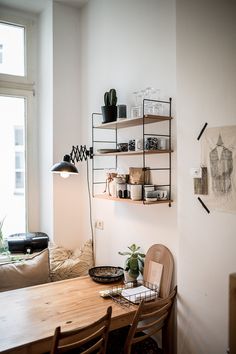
(12,133)
(12,161)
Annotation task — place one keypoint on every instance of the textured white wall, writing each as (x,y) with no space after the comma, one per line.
(127,45)
(206,85)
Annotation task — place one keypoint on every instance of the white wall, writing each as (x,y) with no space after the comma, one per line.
(67,201)
(127,45)
(59,99)
(44,93)
(206,85)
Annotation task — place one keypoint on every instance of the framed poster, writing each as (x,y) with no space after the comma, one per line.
(219,156)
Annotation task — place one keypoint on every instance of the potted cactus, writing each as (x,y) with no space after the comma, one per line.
(109,110)
(134,263)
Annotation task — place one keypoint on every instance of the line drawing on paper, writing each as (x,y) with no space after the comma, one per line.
(221,166)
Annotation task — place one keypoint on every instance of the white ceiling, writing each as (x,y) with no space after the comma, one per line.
(37,6)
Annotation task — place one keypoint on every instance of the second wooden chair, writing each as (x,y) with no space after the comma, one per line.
(149,319)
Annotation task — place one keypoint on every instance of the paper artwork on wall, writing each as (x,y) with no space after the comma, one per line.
(219,156)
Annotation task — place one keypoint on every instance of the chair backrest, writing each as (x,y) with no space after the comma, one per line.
(149,319)
(160,254)
(88,339)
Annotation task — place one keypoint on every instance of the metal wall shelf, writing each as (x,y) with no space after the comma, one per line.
(140,152)
(127,123)
(132,122)
(107,197)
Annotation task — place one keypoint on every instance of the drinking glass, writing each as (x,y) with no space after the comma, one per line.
(136,109)
(157,106)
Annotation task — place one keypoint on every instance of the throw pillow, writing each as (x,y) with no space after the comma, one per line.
(66,264)
(28,272)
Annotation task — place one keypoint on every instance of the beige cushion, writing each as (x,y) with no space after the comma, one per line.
(32,271)
(66,264)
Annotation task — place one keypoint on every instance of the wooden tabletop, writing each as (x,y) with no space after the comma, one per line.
(29,316)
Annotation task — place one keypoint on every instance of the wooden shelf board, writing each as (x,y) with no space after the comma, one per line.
(107,197)
(132,122)
(126,153)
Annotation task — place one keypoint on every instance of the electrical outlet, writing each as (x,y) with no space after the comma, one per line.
(99,224)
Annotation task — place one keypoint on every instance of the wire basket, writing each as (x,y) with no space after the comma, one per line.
(132,293)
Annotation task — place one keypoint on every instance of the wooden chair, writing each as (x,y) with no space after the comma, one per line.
(149,319)
(160,254)
(88,339)
(117,338)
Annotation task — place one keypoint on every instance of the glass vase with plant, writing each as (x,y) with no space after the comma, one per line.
(134,263)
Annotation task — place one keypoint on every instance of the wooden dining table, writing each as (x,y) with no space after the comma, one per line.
(29,316)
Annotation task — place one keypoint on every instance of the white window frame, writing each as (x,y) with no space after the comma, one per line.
(26,82)
(24,87)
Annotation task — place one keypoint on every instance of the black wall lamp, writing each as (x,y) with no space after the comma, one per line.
(67,166)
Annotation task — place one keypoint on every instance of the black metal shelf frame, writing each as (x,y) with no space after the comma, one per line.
(165,135)
(144,134)
(100,141)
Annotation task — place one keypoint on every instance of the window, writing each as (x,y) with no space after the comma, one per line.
(1,53)
(12,42)
(17,134)
(19,160)
(19,180)
(12,157)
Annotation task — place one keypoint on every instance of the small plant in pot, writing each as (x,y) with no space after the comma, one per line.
(134,263)
(3,243)
(109,110)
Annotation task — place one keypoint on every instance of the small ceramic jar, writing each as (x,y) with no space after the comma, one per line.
(121,190)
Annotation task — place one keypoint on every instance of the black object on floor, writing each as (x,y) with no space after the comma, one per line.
(116,342)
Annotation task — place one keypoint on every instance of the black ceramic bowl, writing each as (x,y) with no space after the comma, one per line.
(106,274)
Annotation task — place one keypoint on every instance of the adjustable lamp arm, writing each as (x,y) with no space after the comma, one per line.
(80,153)
(67,166)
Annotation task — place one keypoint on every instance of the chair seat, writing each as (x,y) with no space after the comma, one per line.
(116,341)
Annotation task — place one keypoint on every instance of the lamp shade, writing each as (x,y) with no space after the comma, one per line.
(64,166)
